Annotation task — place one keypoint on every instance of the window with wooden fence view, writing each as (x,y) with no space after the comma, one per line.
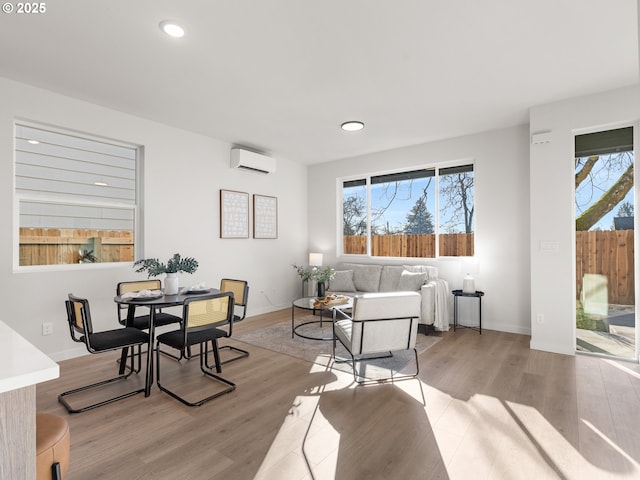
(76,196)
(420,213)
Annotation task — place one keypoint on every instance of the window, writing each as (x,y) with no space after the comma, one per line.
(420,213)
(77,198)
(354,217)
(457,210)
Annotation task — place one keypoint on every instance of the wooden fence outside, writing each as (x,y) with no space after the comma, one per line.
(608,253)
(412,245)
(56,246)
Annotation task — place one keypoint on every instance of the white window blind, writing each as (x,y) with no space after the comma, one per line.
(70,182)
(56,166)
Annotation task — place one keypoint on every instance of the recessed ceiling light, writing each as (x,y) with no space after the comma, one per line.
(172,29)
(101,184)
(352,126)
(33,142)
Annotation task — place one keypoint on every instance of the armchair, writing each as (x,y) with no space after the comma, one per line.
(380,324)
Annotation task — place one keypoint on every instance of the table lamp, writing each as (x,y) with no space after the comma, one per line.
(315,259)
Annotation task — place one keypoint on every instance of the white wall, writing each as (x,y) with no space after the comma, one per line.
(502,208)
(552,206)
(183,175)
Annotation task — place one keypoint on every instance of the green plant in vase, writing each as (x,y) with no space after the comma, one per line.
(320,275)
(176,264)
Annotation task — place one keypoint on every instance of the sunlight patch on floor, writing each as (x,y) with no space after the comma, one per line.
(478,437)
(623,368)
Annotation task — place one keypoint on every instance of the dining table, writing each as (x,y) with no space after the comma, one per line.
(154,302)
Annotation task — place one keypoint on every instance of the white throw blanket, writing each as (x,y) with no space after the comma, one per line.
(441,321)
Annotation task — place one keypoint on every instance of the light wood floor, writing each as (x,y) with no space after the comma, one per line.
(494,410)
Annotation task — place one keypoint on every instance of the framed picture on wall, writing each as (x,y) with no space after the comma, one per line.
(265,216)
(234,214)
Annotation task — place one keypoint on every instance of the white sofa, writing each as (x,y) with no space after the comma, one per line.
(355,279)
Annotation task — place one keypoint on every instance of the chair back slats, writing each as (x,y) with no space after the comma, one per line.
(133,286)
(210,311)
(237,287)
(79,318)
(207,312)
(78,314)
(136,286)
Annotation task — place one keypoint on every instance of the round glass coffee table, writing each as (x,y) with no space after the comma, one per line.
(308,304)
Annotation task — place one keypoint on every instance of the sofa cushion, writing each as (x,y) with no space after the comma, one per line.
(432,272)
(390,277)
(366,278)
(342,281)
(410,281)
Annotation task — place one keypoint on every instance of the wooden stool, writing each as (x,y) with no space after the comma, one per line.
(52,447)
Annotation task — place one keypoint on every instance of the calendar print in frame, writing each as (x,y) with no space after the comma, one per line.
(234,214)
(265,216)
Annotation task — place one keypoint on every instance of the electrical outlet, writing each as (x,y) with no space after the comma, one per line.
(540,318)
(47,328)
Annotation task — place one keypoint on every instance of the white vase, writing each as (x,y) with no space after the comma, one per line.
(468,284)
(171,284)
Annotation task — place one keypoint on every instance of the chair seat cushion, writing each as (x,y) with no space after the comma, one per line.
(175,338)
(113,339)
(344,330)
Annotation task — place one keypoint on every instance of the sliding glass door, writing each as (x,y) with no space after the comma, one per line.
(605,238)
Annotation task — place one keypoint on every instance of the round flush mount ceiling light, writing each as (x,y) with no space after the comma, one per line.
(352,126)
(172,29)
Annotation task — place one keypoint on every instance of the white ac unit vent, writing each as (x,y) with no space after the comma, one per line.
(252,162)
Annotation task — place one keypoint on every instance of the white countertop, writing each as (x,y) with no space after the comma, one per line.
(22,364)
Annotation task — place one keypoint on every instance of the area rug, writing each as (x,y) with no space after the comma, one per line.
(277,338)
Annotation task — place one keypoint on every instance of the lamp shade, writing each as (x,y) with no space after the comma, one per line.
(315,259)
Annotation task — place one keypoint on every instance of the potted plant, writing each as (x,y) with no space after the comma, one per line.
(174,265)
(86,256)
(320,275)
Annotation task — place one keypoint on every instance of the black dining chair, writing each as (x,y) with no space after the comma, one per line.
(141,322)
(201,321)
(81,329)
(240,290)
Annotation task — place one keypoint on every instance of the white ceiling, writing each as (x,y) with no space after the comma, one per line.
(280,76)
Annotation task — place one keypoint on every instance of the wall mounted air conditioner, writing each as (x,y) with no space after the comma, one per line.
(252,162)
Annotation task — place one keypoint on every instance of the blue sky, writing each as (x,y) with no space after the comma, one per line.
(398,203)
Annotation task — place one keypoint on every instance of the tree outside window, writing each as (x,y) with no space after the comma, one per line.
(354,217)
(403,219)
